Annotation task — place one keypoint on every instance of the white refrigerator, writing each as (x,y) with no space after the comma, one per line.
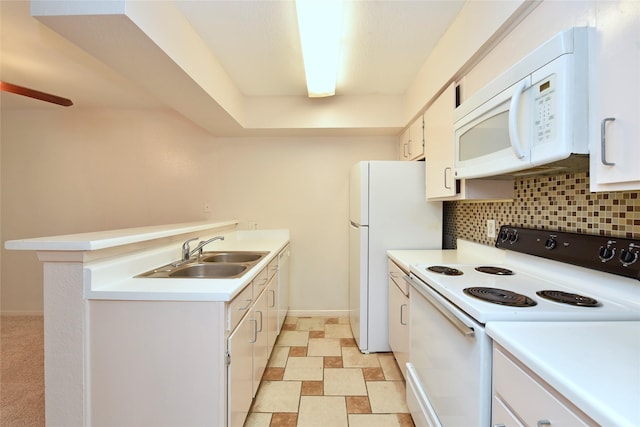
(387,210)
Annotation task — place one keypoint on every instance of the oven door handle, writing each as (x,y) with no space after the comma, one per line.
(460,325)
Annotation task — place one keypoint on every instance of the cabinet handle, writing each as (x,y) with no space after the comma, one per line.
(603,141)
(448,187)
(544,423)
(255,331)
(246,306)
(259,330)
(273,295)
(402,321)
(406,150)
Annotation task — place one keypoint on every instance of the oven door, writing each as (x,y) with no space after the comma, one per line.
(449,369)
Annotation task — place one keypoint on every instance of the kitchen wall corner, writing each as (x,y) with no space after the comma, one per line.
(560,202)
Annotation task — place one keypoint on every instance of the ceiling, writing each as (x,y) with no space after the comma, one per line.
(255,43)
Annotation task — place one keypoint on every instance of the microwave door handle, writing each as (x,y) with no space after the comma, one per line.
(513,120)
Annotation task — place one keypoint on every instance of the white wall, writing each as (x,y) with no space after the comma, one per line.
(545,21)
(68,171)
(300,184)
(73,170)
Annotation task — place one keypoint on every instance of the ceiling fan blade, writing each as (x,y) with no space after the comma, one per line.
(36,94)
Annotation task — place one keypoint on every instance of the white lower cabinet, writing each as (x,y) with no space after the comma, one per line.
(240,371)
(398,316)
(249,345)
(520,398)
(271,296)
(283,286)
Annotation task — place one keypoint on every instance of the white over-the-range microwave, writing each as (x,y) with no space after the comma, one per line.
(533,118)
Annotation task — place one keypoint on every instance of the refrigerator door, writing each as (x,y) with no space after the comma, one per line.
(359,194)
(359,283)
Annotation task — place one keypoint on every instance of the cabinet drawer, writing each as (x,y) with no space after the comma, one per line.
(272,268)
(528,398)
(396,274)
(239,306)
(260,282)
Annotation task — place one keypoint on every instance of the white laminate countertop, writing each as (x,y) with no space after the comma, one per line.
(133,251)
(117,279)
(111,238)
(595,365)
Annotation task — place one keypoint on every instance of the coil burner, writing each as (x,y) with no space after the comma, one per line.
(500,296)
(447,271)
(568,298)
(495,270)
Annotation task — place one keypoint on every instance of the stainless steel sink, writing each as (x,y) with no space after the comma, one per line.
(232,257)
(209,271)
(209,265)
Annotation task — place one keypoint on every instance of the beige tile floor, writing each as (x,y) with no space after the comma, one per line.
(317,377)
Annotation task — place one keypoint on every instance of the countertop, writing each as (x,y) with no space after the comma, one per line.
(595,365)
(127,253)
(111,238)
(105,285)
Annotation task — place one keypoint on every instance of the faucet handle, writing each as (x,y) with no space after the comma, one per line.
(186,249)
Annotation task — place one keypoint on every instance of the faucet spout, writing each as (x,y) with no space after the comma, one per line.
(202,245)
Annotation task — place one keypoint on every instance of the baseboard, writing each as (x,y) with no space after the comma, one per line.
(21,313)
(318,313)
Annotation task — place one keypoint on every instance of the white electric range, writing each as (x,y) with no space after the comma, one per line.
(544,276)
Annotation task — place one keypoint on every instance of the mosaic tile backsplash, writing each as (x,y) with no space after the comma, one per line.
(561,202)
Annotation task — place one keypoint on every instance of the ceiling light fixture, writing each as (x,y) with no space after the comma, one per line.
(320,28)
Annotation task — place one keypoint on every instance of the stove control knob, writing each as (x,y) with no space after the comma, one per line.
(550,243)
(629,256)
(606,253)
(503,235)
(513,237)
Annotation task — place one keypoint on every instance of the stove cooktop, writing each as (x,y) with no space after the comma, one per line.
(527,287)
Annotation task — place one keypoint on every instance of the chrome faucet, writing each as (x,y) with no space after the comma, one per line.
(188,253)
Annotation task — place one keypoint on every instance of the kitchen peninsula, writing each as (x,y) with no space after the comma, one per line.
(121,349)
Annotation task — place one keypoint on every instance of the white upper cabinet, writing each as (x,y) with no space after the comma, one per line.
(412,141)
(439,149)
(439,153)
(615,103)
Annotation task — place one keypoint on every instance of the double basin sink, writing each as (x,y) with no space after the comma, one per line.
(209,265)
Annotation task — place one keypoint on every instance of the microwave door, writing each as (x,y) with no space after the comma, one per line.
(494,138)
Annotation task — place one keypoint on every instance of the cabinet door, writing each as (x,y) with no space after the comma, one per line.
(283,286)
(439,146)
(502,416)
(240,370)
(399,325)
(260,346)
(416,141)
(272,313)
(616,95)
(405,141)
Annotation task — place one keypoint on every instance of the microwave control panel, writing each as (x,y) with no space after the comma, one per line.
(545,111)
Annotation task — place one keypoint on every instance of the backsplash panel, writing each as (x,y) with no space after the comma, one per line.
(560,202)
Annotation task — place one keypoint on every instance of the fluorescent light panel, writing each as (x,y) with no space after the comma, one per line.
(320,27)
